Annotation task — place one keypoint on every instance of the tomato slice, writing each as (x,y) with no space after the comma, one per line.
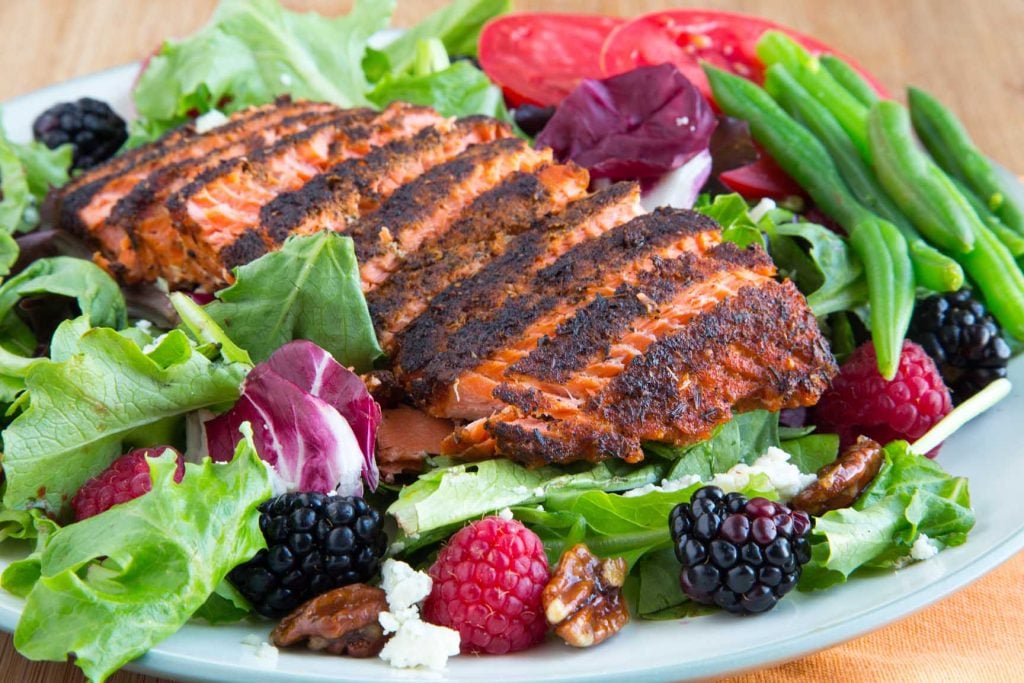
(763,178)
(684,37)
(540,58)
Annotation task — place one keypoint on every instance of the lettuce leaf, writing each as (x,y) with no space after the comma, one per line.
(458,90)
(456,25)
(124,580)
(26,174)
(743,439)
(83,411)
(310,289)
(254,50)
(911,495)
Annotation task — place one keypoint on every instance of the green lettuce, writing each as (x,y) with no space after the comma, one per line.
(310,289)
(26,174)
(821,263)
(254,50)
(742,439)
(124,580)
(459,89)
(456,25)
(910,496)
(86,410)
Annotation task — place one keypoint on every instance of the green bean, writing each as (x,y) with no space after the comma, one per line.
(915,183)
(951,145)
(880,245)
(999,278)
(883,251)
(849,78)
(1013,240)
(778,48)
(932,269)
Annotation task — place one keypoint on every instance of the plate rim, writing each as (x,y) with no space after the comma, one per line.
(175,664)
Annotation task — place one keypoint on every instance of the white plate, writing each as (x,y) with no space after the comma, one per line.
(989,451)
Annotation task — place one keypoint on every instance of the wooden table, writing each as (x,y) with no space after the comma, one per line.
(968,54)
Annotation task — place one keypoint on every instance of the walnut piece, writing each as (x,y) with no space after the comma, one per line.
(343,621)
(583,600)
(840,482)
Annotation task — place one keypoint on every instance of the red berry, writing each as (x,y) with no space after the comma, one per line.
(860,401)
(127,478)
(487,586)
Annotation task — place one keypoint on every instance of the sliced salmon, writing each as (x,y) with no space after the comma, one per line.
(218,213)
(355,187)
(425,208)
(483,232)
(405,437)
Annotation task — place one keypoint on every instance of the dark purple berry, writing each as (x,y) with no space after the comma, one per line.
(93,129)
(740,555)
(315,543)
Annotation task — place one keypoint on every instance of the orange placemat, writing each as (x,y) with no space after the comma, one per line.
(974,635)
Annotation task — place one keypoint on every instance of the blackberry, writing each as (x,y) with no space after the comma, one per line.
(742,555)
(963,339)
(315,543)
(93,129)
(531,119)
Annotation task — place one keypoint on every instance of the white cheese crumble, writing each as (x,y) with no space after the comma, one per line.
(923,549)
(144,325)
(258,652)
(506,514)
(153,345)
(415,643)
(210,120)
(783,476)
(539,492)
(666,486)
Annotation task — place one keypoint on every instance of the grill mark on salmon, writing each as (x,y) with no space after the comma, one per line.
(596,266)
(358,186)
(426,207)
(223,205)
(510,274)
(759,348)
(156,248)
(483,232)
(84,209)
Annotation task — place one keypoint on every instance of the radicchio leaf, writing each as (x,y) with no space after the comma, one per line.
(640,124)
(313,421)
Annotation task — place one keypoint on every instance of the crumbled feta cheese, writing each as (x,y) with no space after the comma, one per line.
(419,644)
(258,652)
(682,120)
(539,492)
(783,476)
(152,346)
(923,549)
(761,208)
(144,325)
(666,486)
(506,514)
(404,586)
(414,643)
(210,120)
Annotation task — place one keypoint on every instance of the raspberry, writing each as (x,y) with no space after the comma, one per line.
(315,543)
(126,479)
(860,401)
(742,555)
(487,585)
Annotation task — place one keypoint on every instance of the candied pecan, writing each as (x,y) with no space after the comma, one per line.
(343,621)
(840,482)
(583,600)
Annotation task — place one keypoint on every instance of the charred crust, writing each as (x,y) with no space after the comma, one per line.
(249,246)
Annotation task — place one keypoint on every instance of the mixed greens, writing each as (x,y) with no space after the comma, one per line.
(86,380)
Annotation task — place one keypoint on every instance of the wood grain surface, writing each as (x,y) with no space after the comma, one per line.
(969,54)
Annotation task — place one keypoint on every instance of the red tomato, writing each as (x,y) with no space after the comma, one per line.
(684,37)
(540,58)
(763,178)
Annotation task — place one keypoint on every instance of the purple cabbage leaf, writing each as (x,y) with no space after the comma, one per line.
(313,420)
(640,124)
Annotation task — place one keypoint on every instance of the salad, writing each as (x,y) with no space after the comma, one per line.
(197,428)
